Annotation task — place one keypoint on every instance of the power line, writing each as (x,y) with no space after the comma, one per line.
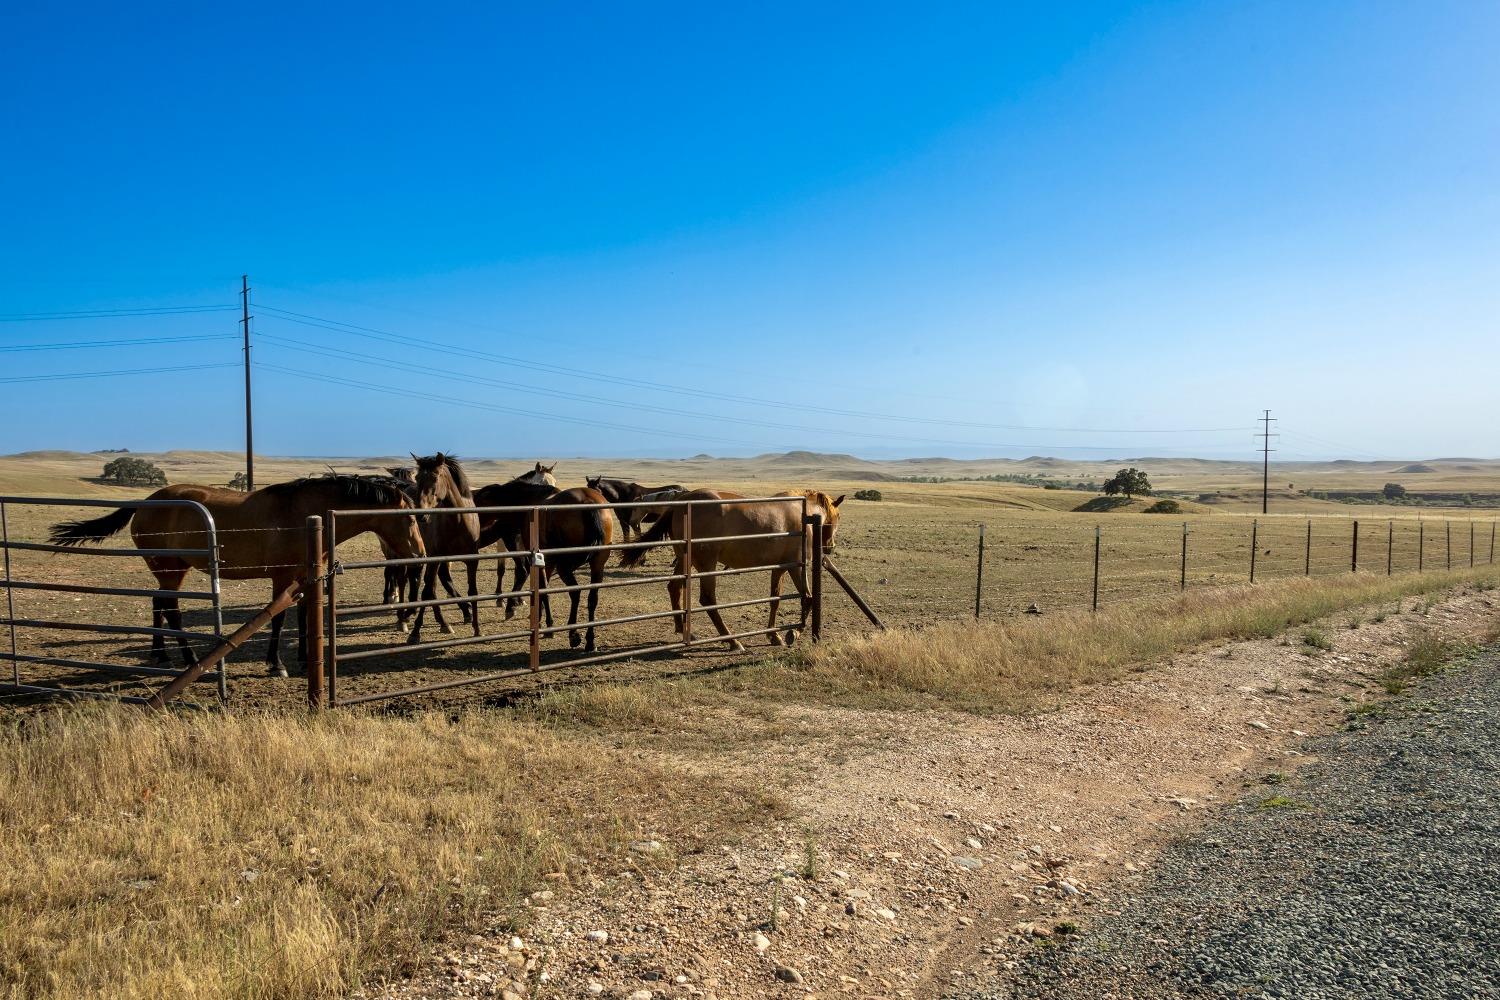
(124,342)
(351,329)
(111,374)
(111,313)
(647,408)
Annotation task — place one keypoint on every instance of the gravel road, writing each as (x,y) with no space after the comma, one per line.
(1373,872)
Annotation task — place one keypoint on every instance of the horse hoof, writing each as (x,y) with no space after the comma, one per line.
(775,639)
(574,639)
(445,628)
(413,637)
(276,672)
(791,636)
(735,646)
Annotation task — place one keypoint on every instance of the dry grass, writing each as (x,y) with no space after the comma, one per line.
(1027,665)
(262,856)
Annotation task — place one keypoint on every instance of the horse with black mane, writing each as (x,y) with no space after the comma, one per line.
(565,523)
(623,491)
(260,536)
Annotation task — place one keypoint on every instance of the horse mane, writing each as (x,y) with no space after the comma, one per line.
(380,490)
(455,471)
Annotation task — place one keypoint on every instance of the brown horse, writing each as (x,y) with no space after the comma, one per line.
(560,528)
(623,491)
(260,536)
(716,520)
(442,484)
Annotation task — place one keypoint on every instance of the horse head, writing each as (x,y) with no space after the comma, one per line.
(433,479)
(819,502)
(541,474)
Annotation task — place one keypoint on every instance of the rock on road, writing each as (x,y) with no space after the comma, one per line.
(1373,872)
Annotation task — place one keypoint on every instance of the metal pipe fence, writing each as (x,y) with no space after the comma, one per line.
(27,633)
(343,646)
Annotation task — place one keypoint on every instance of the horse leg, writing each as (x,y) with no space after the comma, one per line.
(165,612)
(775,603)
(445,577)
(674,591)
(565,574)
(274,666)
(522,568)
(799,580)
(596,576)
(429,578)
(473,606)
(429,593)
(159,620)
(708,597)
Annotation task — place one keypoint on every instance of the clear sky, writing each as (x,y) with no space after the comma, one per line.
(663,229)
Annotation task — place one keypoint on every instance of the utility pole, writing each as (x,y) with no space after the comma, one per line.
(249,424)
(1265,469)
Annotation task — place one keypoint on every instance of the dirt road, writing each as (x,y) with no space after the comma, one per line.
(922,850)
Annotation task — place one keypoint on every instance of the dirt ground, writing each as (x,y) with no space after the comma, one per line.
(921,848)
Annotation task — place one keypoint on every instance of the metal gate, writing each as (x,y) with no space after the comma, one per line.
(809,565)
(48,618)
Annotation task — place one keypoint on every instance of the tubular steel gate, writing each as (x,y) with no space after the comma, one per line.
(807,566)
(50,619)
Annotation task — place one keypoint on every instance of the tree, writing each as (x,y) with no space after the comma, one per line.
(1394,491)
(1132,482)
(134,472)
(239,482)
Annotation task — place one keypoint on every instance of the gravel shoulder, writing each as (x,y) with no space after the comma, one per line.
(924,850)
(1374,871)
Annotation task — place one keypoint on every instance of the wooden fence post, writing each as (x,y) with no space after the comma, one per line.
(1254,545)
(979,573)
(1354,550)
(1182,577)
(1307,564)
(1390,544)
(1098,533)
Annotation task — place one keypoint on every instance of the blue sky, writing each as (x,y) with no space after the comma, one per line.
(668,229)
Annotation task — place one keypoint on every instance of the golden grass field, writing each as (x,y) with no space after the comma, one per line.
(267,853)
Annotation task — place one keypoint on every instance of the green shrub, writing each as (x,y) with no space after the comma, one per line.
(1164,507)
(868,495)
(133,472)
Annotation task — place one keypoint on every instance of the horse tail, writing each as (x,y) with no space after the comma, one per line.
(95,530)
(657,535)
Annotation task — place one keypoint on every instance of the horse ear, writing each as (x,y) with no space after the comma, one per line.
(839,500)
(414,457)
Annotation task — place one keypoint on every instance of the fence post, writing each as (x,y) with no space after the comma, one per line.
(1471,543)
(1098,532)
(817,578)
(1254,545)
(1390,544)
(1448,535)
(535,580)
(312,612)
(1492,541)
(687,573)
(1307,562)
(1421,544)
(979,573)
(10,599)
(1354,550)
(1182,579)
(331,608)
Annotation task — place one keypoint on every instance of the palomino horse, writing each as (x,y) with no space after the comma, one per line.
(260,536)
(560,528)
(717,520)
(442,484)
(620,491)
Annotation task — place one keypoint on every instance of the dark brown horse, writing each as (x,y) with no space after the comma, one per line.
(716,520)
(260,536)
(560,527)
(622,491)
(442,484)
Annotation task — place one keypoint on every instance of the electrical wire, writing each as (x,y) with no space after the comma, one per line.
(77,344)
(112,313)
(110,374)
(352,329)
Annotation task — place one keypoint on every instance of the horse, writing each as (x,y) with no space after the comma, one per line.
(716,520)
(620,491)
(402,582)
(260,536)
(560,528)
(442,484)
